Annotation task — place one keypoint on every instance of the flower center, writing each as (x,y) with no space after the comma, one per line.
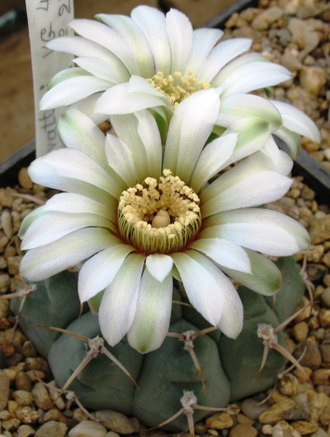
(177,87)
(159,216)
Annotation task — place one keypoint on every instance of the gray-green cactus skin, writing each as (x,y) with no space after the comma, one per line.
(229,366)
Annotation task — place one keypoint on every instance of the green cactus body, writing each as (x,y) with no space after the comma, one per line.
(229,366)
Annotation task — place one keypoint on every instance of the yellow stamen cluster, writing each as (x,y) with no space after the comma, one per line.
(177,87)
(159,216)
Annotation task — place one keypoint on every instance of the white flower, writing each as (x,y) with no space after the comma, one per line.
(139,214)
(152,61)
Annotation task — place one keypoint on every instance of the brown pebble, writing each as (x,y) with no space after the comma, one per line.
(52,429)
(7,348)
(88,428)
(323,389)
(320,230)
(7,223)
(135,424)
(41,396)
(115,421)
(305,427)
(312,357)
(324,317)
(325,416)
(243,430)
(326,259)
(6,200)
(26,414)
(220,421)
(23,381)
(283,429)
(11,424)
(35,375)
(12,405)
(276,412)
(22,397)
(13,264)
(79,415)
(32,363)
(318,402)
(28,349)
(325,352)
(300,331)
(288,385)
(15,359)
(200,428)
(54,414)
(321,376)
(25,431)
(241,418)
(5,415)
(24,179)
(4,283)
(4,390)
(302,376)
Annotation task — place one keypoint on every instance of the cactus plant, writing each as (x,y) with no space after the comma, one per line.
(229,366)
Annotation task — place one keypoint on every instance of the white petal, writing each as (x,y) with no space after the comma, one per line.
(87,106)
(49,170)
(271,150)
(233,108)
(150,137)
(120,159)
(263,187)
(98,272)
(83,47)
(266,278)
(180,33)
(78,132)
(153,25)
(66,74)
(159,265)
(213,156)
(134,38)
(254,76)
(100,68)
(118,305)
(119,100)
(63,183)
(146,156)
(297,121)
(70,203)
(55,225)
(108,38)
(194,120)
(223,252)
(203,42)
(72,90)
(232,316)
(291,139)
(153,313)
(204,291)
(266,231)
(253,134)
(235,64)
(221,55)
(41,263)
(76,203)
(250,166)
